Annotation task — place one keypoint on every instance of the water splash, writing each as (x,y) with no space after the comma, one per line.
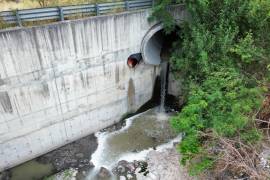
(163,90)
(142,133)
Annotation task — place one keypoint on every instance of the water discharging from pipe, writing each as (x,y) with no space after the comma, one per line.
(163,85)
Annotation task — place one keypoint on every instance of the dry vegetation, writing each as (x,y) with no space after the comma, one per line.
(6,5)
(237,159)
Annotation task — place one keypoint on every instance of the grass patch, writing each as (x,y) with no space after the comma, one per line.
(7,5)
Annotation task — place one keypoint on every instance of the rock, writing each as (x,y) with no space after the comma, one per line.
(72,154)
(74,165)
(122,178)
(136,163)
(129,176)
(264,158)
(123,162)
(5,175)
(119,170)
(79,155)
(74,161)
(91,164)
(123,168)
(104,173)
(68,174)
(162,165)
(143,166)
(175,144)
(130,167)
(134,151)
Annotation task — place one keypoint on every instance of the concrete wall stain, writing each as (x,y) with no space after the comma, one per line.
(131,94)
(2,82)
(117,78)
(45,90)
(82,80)
(5,102)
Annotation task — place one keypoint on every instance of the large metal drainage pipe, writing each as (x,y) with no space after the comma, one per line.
(152,44)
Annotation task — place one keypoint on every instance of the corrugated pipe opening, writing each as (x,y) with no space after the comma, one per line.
(156,45)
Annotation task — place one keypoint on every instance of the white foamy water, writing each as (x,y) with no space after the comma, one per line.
(163,90)
(124,144)
(142,155)
(96,158)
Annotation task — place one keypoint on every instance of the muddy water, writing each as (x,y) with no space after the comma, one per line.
(74,155)
(31,170)
(142,133)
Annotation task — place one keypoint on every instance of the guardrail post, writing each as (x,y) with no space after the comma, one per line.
(153,3)
(97,10)
(19,22)
(61,14)
(127,5)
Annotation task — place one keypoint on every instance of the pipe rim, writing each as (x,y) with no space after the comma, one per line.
(153,30)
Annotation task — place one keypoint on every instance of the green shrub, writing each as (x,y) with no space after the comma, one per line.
(222,54)
(251,136)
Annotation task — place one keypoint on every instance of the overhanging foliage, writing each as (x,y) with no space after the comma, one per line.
(222,55)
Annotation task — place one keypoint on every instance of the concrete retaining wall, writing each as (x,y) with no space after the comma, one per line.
(64,81)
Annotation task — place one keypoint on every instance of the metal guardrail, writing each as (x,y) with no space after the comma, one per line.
(60,13)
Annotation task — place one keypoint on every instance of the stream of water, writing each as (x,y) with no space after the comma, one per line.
(163,90)
(141,134)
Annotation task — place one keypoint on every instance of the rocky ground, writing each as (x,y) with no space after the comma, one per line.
(72,162)
(159,165)
(165,165)
(68,174)
(73,155)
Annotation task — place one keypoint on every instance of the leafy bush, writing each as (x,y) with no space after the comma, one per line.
(222,54)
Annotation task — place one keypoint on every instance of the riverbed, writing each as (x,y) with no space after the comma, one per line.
(133,139)
(142,133)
